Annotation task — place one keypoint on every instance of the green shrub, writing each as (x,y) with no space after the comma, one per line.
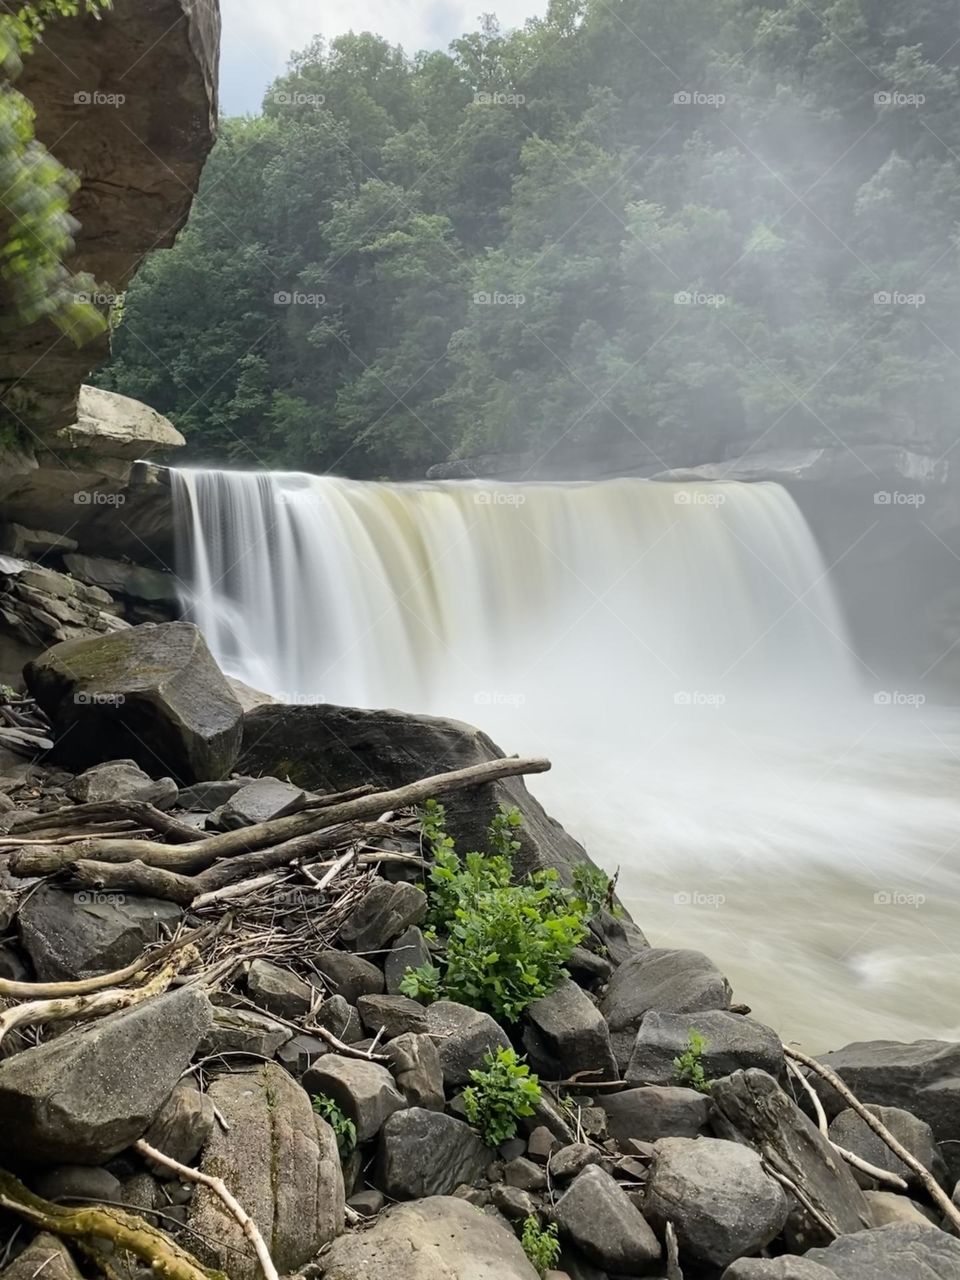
(593,889)
(540,1244)
(500,1095)
(688,1067)
(343,1127)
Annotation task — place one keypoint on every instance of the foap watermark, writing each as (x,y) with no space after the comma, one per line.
(300,498)
(898,698)
(897,498)
(697,98)
(95,98)
(698,698)
(895,298)
(895,98)
(694,898)
(686,298)
(297,698)
(499,498)
(95,898)
(899,898)
(98,498)
(286,98)
(699,498)
(89,699)
(499,99)
(497,299)
(493,698)
(100,298)
(295,298)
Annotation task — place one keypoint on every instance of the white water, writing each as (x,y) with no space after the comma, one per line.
(677,651)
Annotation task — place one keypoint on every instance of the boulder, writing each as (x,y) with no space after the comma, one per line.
(513,1202)
(721,1203)
(415,1063)
(887,1208)
(904,1252)
(300,1053)
(410,951)
(259,801)
(119,782)
(204,797)
(605,1225)
(279,991)
(426,1153)
(565,1034)
(364,1091)
(464,1037)
(385,911)
(571,1160)
(789,1267)
(238,1031)
(348,975)
(122,578)
(280,1160)
(434,1239)
(78,1183)
(32,544)
(79,935)
(85,1095)
(523,1173)
(664,981)
(340,1019)
(46,1254)
(151,693)
(392,1015)
(655,1112)
(731,1042)
(850,1131)
(182,1126)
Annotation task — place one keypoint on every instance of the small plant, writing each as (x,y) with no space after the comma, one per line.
(500,1095)
(593,889)
(540,1244)
(422,983)
(688,1067)
(343,1127)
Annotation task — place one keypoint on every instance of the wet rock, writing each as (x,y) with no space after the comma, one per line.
(85,1095)
(300,1053)
(124,579)
(44,1254)
(410,951)
(464,1037)
(280,1160)
(731,1043)
(393,1015)
(664,981)
(340,1019)
(78,1184)
(415,1063)
(119,782)
(721,1203)
(365,1091)
(78,935)
(566,1034)
(596,1214)
(348,975)
(243,1031)
(386,911)
(182,1127)
(848,1130)
(279,991)
(656,1112)
(427,1153)
(433,1239)
(258,801)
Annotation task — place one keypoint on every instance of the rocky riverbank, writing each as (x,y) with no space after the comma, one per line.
(247,970)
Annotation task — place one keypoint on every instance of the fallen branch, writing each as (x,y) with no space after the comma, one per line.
(930,1184)
(223,1193)
(137,812)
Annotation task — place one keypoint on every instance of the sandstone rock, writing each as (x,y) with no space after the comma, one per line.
(364,1091)
(78,935)
(259,801)
(85,1095)
(664,981)
(410,951)
(153,693)
(279,991)
(731,1042)
(394,1015)
(44,1253)
(243,1031)
(434,1239)
(597,1216)
(427,1153)
(32,544)
(348,975)
(119,781)
(415,1063)
(464,1037)
(182,1127)
(656,1112)
(77,1183)
(887,1208)
(118,427)
(848,1130)
(367,1203)
(281,1162)
(125,579)
(566,1034)
(385,912)
(721,1203)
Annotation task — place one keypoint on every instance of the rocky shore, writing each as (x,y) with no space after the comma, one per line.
(245,1030)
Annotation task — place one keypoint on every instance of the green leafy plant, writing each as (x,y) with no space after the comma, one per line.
(540,1244)
(502,944)
(343,1127)
(688,1067)
(501,1093)
(593,889)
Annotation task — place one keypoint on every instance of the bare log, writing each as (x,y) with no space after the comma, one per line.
(97,811)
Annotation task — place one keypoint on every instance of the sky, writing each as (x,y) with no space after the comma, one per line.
(259,35)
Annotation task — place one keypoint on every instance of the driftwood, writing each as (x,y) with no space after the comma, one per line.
(140,814)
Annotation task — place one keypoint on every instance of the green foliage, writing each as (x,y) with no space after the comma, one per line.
(500,1095)
(540,1244)
(503,944)
(343,1127)
(688,1067)
(593,888)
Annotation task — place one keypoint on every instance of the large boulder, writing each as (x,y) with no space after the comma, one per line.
(440,1238)
(566,1034)
(364,1091)
(597,1215)
(85,1095)
(900,1252)
(280,1160)
(427,1153)
(464,1037)
(120,781)
(731,1042)
(655,1112)
(151,693)
(850,1131)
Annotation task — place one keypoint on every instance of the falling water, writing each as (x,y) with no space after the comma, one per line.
(676,649)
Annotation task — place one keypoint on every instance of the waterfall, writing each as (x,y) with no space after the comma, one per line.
(555,601)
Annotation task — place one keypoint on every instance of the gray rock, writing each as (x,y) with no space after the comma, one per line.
(464,1037)
(300,1053)
(569,1161)
(415,1063)
(121,781)
(655,1112)
(243,1031)
(340,1019)
(385,912)
(410,951)
(721,1203)
(427,1153)
(440,1238)
(78,935)
(8,909)
(182,1127)
(348,975)
(542,1143)
(13,966)
(393,1015)
(46,1254)
(888,1208)
(123,579)
(368,1203)
(365,1091)
(566,1034)
(848,1130)
(150,693)
(78,1184)
(605,1226)
(788,1267)
(619,935)
(513,1202)
(731,1041)
(905,1252)
(665,981)
(32,544)
(258,801)
(589,969)
(279,991)
(281,1162)
(204,797)
(85,1095)
(523,1173)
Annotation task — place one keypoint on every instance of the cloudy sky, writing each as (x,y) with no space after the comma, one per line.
(259,35)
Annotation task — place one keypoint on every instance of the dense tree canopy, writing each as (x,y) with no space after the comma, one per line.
(699,224)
